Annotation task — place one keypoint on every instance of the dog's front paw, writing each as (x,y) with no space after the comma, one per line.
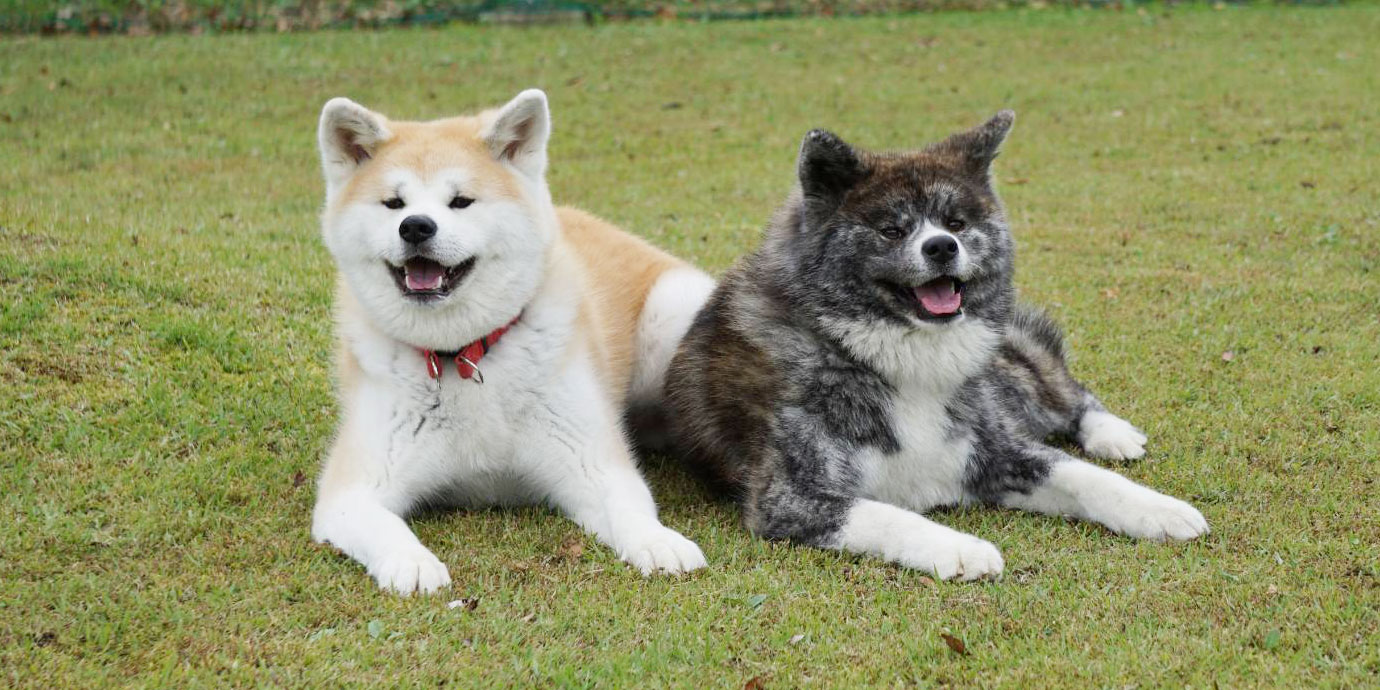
(1161,518)
(956,556)
(1105,435)
(662,550)
(410,570)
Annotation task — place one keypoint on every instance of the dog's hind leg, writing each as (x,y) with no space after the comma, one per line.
(1041,391)
(1072,487)
(1102,434)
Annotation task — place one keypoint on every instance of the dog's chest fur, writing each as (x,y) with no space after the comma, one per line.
(928,469)
(926,371)
(451,440)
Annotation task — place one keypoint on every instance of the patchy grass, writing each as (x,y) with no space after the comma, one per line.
(1184,184)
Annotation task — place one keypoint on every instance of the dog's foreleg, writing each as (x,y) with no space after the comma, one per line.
(581,461)
(350,516)
(1079,489)
(784,511)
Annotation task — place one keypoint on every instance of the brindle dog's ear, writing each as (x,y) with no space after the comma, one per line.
(979,146)
(827,167)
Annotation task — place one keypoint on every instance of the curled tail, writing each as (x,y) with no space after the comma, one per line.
(671,306)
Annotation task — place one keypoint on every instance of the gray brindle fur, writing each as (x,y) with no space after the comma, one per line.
(870,362)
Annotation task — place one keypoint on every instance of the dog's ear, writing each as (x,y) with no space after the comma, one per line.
(979,146)
(827,168)
(517,134)
(349,134)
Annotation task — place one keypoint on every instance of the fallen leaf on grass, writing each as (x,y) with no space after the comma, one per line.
(572,548)
(755,601)
(375,628)
(1228,356)
(468,604)
(955,644)
(755,683)
(298,479)
(796,639)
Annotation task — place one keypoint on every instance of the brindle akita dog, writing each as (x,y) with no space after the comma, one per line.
(870,362)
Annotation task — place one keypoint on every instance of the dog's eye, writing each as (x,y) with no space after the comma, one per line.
(891,232)
(460,202)
(395,203)
(954,224)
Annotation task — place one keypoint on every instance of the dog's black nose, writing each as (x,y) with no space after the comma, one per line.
(940,248)
(417,229)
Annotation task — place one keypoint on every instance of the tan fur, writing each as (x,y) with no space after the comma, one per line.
(427,148)
(347,367)
(620,269)
(549,424)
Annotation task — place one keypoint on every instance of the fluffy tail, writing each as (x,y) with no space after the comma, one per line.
(670,308)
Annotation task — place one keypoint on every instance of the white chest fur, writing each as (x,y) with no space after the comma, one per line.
(926,367)
(451,440)
(928,470)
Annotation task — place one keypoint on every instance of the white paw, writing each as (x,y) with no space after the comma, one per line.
(1161,518)
(1105,435)
(663,550)
(955,556)
(410,570)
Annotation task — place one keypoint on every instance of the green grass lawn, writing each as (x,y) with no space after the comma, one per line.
(1195,197)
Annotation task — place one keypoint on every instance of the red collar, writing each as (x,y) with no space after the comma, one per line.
(467,358)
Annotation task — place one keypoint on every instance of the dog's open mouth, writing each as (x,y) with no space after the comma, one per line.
(427,279)
(940,299)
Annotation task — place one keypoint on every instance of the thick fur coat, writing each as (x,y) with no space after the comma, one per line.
(443,233)
(870,362)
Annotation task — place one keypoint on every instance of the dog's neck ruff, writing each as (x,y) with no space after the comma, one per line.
(467,358)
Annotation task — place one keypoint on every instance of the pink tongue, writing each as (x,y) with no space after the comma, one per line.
(423,275)
(939,297)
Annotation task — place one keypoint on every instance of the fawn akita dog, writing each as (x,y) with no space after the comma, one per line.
(490,342)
